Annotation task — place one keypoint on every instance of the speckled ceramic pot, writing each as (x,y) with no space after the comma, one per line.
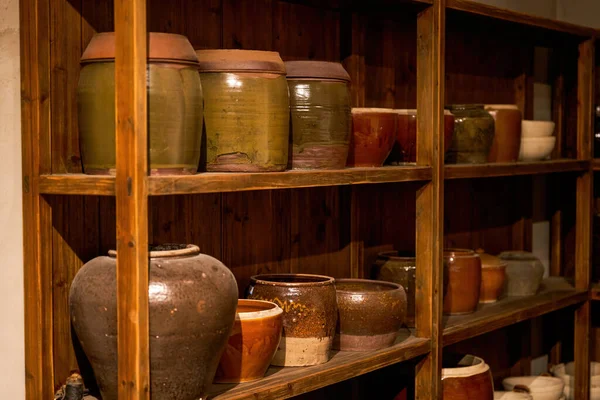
(373,135)
(473,135)
(309,315)
(524,273)
(370,314)
(507,132)
(192,303)
(174,105)
(466,377)
(254,339)
(462,281)
(246,110)
(400,268)
(320,111)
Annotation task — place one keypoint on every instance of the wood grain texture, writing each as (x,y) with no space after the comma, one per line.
(352,27)
(463,171)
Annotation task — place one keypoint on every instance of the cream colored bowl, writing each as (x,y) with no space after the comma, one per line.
(540,387)
(536,148)
(567,373)
(537,128)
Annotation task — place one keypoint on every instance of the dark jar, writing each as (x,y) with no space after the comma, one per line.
(400,268)
(473,134)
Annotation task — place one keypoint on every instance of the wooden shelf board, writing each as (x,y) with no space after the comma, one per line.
(555,294)
(77,184)
(464,171)
(281,383)
(520,18)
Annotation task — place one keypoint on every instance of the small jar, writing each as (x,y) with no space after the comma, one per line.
(524,273)
(462,281)
(400,268)
(473,134)
(493,276)
(507,133)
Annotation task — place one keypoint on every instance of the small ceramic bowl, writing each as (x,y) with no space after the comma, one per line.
(536,148)
(512,396)
(373,136)
(567,373)
(536,129)
(540,387)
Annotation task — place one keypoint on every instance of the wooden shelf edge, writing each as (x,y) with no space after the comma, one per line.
(77,184)
(466,171)
(282,383)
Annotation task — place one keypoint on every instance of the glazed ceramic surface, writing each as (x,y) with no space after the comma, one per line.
(462,281)
(309,315)
(373,135)
(507,132)
(493,276)
(524,273)
(536,148)
(174,105)
(567,373)
(466,377)
(254,339)
(189,323)
(370,314)
(400,268)
(537,128)
(246,110)
(320,112)
(540,387)
(512,396)
(473,135)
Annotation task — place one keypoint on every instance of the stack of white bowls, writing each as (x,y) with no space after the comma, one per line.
(567,373)
(537,141)
(539,387)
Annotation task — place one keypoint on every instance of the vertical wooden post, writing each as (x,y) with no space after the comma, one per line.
(430,198)
(132,199)
(583,247)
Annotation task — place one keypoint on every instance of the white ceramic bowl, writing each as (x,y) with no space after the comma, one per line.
(567,373)
(511,396)
(537,128)
(536,148)
(569,393)
(540,387)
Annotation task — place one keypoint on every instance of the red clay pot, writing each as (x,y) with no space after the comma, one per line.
(466,377)
(373,135)
(462,281)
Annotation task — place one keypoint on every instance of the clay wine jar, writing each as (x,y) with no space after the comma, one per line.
(400,268)
(467,377)
(524,273)
(370,314)
(373,136)
(473,135)
(192,303)
(174,105)
(462,281)
(309,315)
(507,133)
(493,276)
(246,110)
(320,112)
(254,339)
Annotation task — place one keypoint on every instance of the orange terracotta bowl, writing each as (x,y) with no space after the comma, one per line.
(492,283)
(254,339)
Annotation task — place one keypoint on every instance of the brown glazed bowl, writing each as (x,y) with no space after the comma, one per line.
(467,377)
(309,315)
(370,314)
(400,268)
(493,276)
(254,339)
(373,136)
(462,281)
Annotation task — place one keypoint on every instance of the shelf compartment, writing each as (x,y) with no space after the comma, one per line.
(595,292)
(596,164)
(282,383)
(556,293)
(465,171)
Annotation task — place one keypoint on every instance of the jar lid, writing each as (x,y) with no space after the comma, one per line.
(166,47)
(517,255)
(240,61)
(356,110)
(316,69)
(489,261)
(501,107)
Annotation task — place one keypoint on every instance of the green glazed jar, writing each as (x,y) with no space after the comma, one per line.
(174,105)
(246,110)
(473,134)
(321,114)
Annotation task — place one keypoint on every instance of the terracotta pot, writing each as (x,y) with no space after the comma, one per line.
(373,135)
(254,339)
(462,281)
(473,135)
(246,110)
(524,273)
(466,377)
(540,387)
(370,314)
(189,323)
(493,276)
(309,315)
(507,133)
(400,268)
(320,111)
(174,105)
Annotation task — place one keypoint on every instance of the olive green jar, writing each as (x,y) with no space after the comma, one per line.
(246,110)
(321,114)
(473,134)
(174,105)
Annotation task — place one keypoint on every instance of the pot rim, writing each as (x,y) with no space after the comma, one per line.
(318,280)
(189,250)
(373,282)
(240,61)
(413,111)
(390,255)
(466,371)
(458,252)
(273,311)
(374,110)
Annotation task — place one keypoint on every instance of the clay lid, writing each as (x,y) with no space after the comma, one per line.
(316,69)
(373,110)
(501,107)
(519,255)
(165,47)
(489,261)
(240,61)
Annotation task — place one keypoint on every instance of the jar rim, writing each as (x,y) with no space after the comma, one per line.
(188,250)
(287,280)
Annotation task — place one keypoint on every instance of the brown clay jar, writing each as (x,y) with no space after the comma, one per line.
(373,135)
(493,276)
(462,281)
(192,303)
(309,315)
(507,136)
(466,377)
(400,268)
(370,314)
(254,339)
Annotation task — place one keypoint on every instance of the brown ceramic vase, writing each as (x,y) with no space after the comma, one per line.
(373,135)
(370,314)
(466,377)
(254,339)
(192,303)
(400,268)
(462,281)
(493,276)
(507,136)
(309,315)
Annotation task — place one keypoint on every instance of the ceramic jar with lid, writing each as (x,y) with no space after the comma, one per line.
(493,275)
(524,273)
(320,111)
(462,281)
(507,136)
(400,268)
(373,136)
(467,377)
(473,134)
(174,105)
(246,110)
